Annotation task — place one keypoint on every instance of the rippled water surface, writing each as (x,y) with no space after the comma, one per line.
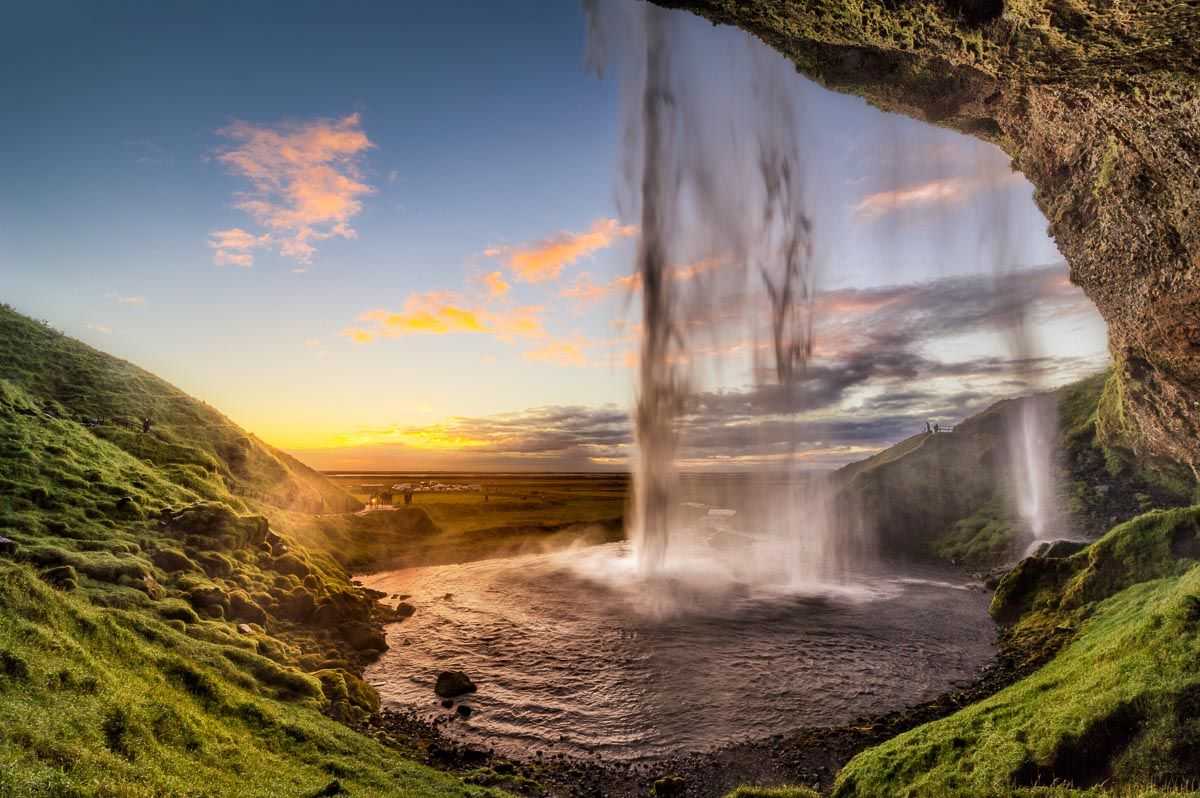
(573,653)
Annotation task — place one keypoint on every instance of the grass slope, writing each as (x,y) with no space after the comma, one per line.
(1118,706)
(170,622)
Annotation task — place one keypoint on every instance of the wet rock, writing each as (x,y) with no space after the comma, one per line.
(447,703)
(404,610)
(365,637)
(8,547)
(1057,549)
(464,711)
(452,684)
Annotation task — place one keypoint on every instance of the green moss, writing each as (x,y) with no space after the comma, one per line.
(1118,703)
(111,683)
(982,540)
(773,792)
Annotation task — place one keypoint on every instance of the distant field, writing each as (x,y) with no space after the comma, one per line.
(511,513)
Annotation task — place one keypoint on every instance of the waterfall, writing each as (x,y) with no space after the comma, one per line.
(1032,434)
(712,171)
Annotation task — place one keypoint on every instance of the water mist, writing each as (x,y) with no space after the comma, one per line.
(711,168)
(1031,426)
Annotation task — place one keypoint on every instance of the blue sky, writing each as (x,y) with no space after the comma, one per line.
(438,145)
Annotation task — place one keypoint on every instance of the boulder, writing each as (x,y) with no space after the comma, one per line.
(298,605)
(1057,549)
(244,608)
(126,506)
(365,637)
(452,684)
(217,525)
(173,560)
(276,544)
(669,786)
(8,547)
(463,711)
(289,565)
(204,596)
(63,577)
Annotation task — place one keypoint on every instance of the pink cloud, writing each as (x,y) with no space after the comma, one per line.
(496,284)
(305,186)
(544,260)
(944,191)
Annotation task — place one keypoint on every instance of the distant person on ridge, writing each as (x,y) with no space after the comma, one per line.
(147,424)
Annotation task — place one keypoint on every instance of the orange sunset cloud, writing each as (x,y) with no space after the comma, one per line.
(447,313)
(306,185)
(544,260)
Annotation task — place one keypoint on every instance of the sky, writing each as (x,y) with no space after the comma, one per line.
(387,236)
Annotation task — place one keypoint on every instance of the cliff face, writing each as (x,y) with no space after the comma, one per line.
(1097,102)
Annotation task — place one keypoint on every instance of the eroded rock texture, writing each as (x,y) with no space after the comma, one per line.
(1098,103)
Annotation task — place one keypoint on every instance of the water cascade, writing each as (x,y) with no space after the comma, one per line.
(1032,426)
(712,170)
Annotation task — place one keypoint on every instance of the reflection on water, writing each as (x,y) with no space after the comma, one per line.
(572,652)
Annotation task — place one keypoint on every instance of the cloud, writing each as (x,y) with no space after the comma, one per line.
(101,328)
(359,335)
(571,352)
(586,290)
(943,191)
(305,181)
(233,247)
(876,380)
(496,285)
(122,299)
(552,435)
(447,313)
(544,260)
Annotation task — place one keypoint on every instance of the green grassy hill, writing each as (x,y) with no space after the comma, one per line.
(171,624)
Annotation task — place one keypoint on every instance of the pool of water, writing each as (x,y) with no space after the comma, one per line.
(574,652)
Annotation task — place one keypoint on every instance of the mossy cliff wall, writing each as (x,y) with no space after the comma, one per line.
(1097,102)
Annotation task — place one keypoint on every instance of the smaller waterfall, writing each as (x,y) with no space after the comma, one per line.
(1032,441)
